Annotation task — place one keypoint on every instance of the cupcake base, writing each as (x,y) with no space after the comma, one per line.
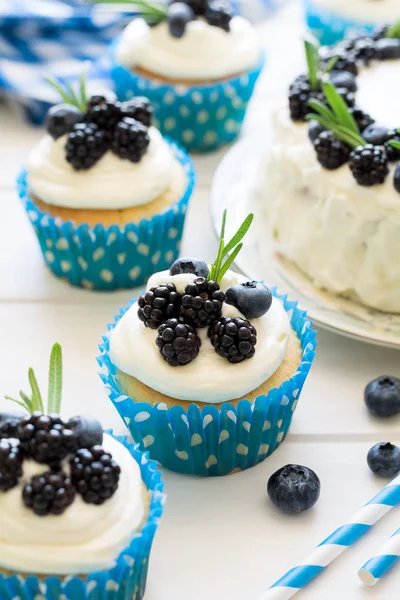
(136,389)
(114,254)
(201,116)
(214,440)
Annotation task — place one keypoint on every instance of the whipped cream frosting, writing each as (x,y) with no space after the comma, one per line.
(85,538)
(209,378)
(112,183)
(342,235)
(368,11)
(204,52)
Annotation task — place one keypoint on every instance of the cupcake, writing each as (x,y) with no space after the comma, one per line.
(206,367)
(105,192)
(331,20)
(79,508)
(330,184)
(197,62)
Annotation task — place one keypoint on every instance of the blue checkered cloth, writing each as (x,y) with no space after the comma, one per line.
(41,38)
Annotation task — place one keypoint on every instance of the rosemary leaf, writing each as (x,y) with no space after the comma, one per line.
(19,402)
(339,107)
(312,57)
(239,235)
(230,260)
(321,109)
(37,402)
(55,381)
(395,144)
(394,30)
(58,87)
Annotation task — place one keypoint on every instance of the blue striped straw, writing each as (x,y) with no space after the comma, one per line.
(301,575)
(377,566)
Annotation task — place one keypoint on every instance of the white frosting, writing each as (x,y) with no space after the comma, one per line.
(204,52)
(85,538)
(209,378)
(112,183)
(367,11)
(342,235)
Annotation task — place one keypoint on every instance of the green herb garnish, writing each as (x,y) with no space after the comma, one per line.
(336,117)
(219,268)
(394,30)
(315,71)
(68,94)
(152,11)
(34,402)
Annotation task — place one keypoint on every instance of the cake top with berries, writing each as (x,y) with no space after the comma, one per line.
(101,154)
(203,333)
(195,40)
(63,488)
(360,148)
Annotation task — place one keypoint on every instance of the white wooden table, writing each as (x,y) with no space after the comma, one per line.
(219,539)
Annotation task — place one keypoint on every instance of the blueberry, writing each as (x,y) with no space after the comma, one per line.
(179,15)
(252,298)
(382,396)
(61,118)
(190,265)
(388,48)
(384,459)
(343,79)
(88,430)
(397,178)
(314,129)
(9,422)
(294,488)
(377,135)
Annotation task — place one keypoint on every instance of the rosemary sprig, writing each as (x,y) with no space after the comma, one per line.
(68,94)
(336,117)
(219,268)
(150,9)
(34,402)
(315,71)
(394,30)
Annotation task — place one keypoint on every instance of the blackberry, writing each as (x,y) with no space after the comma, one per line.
(361,47)
(362,118)
(131,139)
(138,108)
(393,154)
(233,339)
(46,439)
(314,129)
(219,13)
(104,113)
(50,493)
(201,302)
(158,304)
(388,49)
(343,79)
(95,474)
(300,93)
(380,32)
(10,465)
(199,7)
(346,60)
(9,422)
(86,144)
(178,343)
(369,164)
(331,152)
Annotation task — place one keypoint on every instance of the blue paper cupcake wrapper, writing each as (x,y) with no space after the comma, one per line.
(329,27)
(200,117)
(213,441)
(115,257)
(125,581)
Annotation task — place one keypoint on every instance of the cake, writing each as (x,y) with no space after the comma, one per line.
(105,192)
(206,366)
(78,507)
(331,20)
(329,185)
(198,62)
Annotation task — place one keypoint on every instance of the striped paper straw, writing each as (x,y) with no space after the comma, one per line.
(379,565)
(343,537)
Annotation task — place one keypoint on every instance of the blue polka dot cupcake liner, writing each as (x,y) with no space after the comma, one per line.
(329,27)
(100,258)
(199,117)
(214,441)
(125,581)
